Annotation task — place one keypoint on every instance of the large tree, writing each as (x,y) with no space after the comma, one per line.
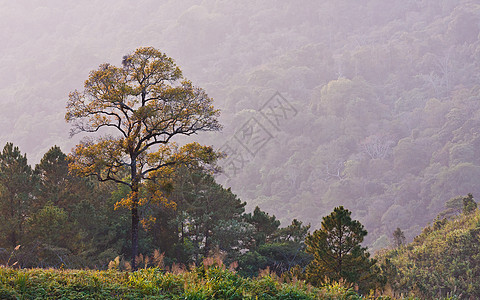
(140,106)
(337,251)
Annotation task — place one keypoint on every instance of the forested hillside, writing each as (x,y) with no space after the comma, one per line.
(382,95)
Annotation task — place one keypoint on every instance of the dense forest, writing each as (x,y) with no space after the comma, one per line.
(52,218)
(387,118)
(385,94)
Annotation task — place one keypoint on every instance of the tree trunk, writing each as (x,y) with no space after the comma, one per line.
(134,209)
(182,238)
(135,221)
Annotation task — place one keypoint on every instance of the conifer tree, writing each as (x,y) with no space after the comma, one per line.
(264,224)
(206,213)
(337,251)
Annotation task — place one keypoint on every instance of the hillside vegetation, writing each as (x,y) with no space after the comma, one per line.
(441,263)
(443,260)
(369,105)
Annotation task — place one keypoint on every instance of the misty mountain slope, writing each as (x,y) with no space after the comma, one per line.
(387,122)
(383,95)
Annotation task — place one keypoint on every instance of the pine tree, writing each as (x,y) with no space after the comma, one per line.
(337,251)
(265,226)
(207,216)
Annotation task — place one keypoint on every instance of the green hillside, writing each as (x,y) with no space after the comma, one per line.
(443,260)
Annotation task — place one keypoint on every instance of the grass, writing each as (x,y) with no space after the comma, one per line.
(212,282)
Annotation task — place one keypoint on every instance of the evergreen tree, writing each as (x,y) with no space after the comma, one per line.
(53,176)
(17,183)
(337,251)
(279,249)
(70,222)
(264,226)
(287,249)
(61,188)
(207,206)
(206,217)
(295,232)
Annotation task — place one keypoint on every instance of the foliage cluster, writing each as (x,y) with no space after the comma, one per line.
(211,281)
(57,219)
(68,222)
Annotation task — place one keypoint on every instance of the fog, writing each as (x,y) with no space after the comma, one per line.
(380,99)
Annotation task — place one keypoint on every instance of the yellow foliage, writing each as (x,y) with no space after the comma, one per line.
(148,222)
(129,202)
